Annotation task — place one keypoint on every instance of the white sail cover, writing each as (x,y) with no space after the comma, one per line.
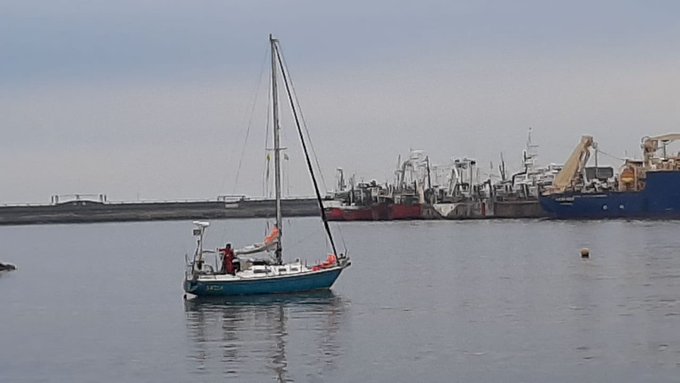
(269,243)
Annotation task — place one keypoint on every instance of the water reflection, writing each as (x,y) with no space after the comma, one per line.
(253,337)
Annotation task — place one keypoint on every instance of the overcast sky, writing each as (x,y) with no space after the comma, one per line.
(153,99)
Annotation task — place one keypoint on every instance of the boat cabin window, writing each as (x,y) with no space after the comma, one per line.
(260,262)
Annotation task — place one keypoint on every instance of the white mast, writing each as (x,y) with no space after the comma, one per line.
(277,147)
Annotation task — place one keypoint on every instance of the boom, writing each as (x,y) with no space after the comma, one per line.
(573,167)
(651,144)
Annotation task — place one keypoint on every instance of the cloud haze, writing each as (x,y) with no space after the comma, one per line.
(153,99)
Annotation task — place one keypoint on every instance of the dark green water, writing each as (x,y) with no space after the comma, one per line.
(484,301)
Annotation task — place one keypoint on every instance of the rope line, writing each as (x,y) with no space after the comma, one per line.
(304,122)
(250,123)
(610,155)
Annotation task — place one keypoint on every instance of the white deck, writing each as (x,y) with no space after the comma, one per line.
(260,271)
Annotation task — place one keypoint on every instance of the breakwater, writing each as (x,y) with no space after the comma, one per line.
(88,211)
(85,211)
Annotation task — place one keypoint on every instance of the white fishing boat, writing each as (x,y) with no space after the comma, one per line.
(267,273)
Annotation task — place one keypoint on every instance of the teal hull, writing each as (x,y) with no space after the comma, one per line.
(317,280)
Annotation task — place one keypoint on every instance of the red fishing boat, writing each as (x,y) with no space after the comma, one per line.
(373,202)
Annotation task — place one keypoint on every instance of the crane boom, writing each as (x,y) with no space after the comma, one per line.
(651,144)
(573,167)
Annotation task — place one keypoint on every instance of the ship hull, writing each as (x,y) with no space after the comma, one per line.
(352,213)
(375,212)
(659,199)
(318,280)
(404,211)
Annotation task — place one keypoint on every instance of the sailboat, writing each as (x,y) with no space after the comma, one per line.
(267,275)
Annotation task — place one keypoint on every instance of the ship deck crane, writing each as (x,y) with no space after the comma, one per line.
(573,167)
(650,145)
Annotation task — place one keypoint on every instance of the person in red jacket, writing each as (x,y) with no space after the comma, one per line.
(228,260)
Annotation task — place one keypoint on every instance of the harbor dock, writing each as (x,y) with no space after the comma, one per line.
(90,211)
(86,210)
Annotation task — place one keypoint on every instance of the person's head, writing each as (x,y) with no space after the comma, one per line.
(228,245)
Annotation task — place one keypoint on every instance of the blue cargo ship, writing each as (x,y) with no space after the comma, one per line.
(643,189)
(659,199)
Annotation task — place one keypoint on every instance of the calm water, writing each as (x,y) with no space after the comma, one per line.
(424,301)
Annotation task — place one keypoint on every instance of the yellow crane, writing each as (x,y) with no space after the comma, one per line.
(573,168)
